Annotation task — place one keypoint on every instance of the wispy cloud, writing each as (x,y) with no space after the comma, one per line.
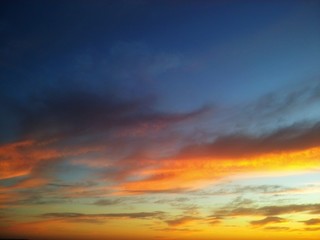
(108,202)
(312,229)
(274,228)
(268,220)
(231,189)
(76,216)
(294,138)
(181,221)
(270,210)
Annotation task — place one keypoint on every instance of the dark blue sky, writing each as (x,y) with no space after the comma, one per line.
(182,54)
(76,68)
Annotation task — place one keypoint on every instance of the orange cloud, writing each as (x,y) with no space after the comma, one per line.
(190,173)
(22,158)
(18,159)
(181,221)
(295,148)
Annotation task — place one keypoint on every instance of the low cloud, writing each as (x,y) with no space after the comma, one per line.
(313,221)
(312,229)
(103,216)
(268,220)
(181,221)
(270,210)
(107,202)
(285,229)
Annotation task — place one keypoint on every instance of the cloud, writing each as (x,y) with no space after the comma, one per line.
(76,216)
(77,112)
(272,228)
(312,229)
(267,220)
(18,159)
(240,202)
(89,93)
(181,221)
(67,127)
(270,210)
(174,229)
(107,202)
(194,171)
(31,157)
(313,221)
(159,191)
(292,99)
(136,60)
(236,189)
(283,107)
(294,138)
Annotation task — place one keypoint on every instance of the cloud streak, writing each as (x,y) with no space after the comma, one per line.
(102,216)
(270,210)
(267,220)
(181,221)
(295,148)
(312,221)
(294,138)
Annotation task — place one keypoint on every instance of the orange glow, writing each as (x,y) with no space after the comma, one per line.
(193,173)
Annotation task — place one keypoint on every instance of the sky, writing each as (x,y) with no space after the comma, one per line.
(160,120)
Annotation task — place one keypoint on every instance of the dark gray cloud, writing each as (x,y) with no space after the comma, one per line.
(70,215)
(80,113)
(107,202)
(295,137)
(288,100)
(40,200)
(292,103)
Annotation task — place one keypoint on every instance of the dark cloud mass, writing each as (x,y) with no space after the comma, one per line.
(295,137)
(78,112)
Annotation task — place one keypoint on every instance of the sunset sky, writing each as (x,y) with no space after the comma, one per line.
(160,120)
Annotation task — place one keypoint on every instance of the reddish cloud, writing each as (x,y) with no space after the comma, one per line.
(18,159)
